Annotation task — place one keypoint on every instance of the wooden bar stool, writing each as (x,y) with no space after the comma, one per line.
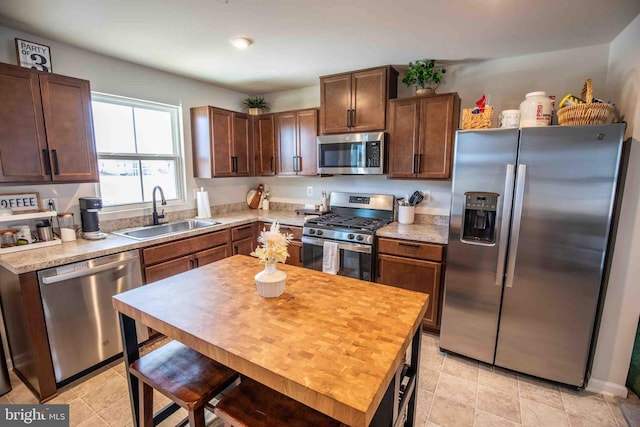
(184,376)
(252,404)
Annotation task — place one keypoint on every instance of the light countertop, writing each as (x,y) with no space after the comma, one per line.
(82,249)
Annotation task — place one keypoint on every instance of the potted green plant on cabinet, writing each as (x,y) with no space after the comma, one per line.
(424,75)
(256,105)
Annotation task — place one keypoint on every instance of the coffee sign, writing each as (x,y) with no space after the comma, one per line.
(22,202)
(34,55)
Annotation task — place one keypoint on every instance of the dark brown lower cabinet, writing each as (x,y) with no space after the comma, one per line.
(417,267)
(295,247)
(168,259)
(212,255)
(295,254)
(244,239)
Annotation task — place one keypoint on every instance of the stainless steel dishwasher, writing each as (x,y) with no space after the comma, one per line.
(82,326)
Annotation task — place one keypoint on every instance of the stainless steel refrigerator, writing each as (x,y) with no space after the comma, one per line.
(531,216)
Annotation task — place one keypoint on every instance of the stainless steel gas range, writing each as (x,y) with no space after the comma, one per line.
(350,226)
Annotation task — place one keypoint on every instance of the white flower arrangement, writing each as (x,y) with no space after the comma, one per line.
(273,245)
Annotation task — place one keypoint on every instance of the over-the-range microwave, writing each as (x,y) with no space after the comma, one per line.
(351,154)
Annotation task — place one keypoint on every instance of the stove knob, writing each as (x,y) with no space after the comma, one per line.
(359,237)
(312,231)
(319,233)
(350,236)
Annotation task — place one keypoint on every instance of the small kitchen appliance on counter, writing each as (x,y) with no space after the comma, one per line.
(89,208)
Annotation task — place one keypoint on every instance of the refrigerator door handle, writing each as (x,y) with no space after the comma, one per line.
(507,200)
(515,230)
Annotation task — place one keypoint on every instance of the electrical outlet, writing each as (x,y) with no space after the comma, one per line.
(309,191)
(427,196)
(50,204)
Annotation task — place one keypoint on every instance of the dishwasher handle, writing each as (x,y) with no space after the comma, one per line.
(86,271)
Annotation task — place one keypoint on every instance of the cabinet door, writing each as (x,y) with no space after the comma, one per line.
(404,126)
(66,103)
(168,268)
(369,100)
(243,232)
(212,255)
(287,152)
(244,246)
(242,144)
(264,145)
(221,133)
(295,254)
(415,275)
(438,121)
(335,103)
(307,143)
(22,136)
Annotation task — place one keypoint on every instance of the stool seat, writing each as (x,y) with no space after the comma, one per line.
(252,404)
(185,376)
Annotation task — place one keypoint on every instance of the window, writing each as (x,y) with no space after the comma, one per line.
(139,146)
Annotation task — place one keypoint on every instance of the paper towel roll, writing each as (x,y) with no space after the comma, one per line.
(202,200)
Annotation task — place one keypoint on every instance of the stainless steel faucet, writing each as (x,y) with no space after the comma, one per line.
(157,216)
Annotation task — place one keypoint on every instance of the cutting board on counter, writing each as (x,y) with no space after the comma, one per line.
(254,197)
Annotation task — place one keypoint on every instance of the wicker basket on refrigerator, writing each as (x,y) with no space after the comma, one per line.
(589,113)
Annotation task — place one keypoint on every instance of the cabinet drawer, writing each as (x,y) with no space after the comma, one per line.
(212,255)
(168,268)
(411,249)
(296,231)
(242,232)
(171,250)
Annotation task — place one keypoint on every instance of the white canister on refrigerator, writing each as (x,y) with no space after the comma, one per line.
(535,110)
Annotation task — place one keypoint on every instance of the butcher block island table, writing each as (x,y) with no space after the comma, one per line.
(336,344)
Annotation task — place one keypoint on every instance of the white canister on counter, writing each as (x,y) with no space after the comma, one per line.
(510,118)
(406,214)
(535,110)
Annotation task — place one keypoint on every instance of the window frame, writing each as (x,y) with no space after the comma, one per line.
(178,148)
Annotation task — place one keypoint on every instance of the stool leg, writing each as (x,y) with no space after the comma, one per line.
(146,405)
(196,417)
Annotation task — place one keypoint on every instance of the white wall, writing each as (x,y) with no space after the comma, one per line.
(118,77)
(622,304)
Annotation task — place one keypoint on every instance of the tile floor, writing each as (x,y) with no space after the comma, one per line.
(452,392)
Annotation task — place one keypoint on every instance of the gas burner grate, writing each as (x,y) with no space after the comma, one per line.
(350,222)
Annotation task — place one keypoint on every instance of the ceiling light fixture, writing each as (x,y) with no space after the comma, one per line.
(241,42)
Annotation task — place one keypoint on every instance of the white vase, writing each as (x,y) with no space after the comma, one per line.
(270,281)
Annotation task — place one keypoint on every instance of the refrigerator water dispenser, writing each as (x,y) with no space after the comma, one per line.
(479,217)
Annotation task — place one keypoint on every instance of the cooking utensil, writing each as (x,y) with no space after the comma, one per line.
(415,198)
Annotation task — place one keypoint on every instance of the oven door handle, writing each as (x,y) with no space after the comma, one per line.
(352,247)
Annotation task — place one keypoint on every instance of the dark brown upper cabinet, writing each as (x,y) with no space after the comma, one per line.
(264,144)
(421,132)
(46,128)
(297,146)
(222,143)
(356,101)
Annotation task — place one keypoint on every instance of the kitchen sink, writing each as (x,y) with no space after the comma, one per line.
(161,230)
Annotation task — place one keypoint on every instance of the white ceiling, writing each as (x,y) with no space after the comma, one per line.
(295,41)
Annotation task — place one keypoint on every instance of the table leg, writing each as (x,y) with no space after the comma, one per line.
(130,353)
(416,346)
